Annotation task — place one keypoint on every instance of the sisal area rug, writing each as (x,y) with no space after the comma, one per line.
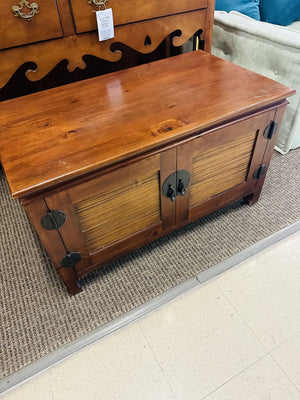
(38,316)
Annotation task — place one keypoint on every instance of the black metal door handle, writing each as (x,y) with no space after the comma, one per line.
(171,193)
(176,184)
(181,188)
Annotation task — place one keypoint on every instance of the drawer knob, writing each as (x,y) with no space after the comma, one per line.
(17,10)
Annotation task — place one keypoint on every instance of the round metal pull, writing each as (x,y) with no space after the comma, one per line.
(34,7)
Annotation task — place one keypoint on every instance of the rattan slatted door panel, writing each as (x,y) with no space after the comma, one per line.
(221,163)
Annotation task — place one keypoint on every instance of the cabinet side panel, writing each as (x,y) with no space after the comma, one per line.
(268,146)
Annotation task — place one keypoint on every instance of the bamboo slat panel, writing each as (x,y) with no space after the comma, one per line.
(221,168)
(108,217)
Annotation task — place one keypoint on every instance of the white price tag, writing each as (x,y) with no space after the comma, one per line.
(105,23)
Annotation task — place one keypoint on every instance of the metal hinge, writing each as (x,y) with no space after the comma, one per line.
(260,171)
(54,219)
(70,259)
(270,130)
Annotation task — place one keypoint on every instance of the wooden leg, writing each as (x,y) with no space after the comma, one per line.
(254,197)
(68,276)
(251,199)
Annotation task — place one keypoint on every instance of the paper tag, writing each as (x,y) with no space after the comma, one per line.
(105,23)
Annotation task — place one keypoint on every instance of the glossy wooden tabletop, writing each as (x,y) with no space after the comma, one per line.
(56,135)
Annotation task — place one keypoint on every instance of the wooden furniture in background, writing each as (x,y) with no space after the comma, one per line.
(106,165)
(66,30)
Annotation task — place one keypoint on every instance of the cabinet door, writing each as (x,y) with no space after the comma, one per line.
(123,208)
(221,163)
(109,215)
(17,30)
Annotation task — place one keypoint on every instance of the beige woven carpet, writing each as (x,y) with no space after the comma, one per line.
(38,316)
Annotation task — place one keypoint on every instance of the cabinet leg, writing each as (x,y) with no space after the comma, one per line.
(68,276)
(252,198)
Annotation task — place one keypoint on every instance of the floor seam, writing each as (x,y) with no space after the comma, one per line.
(234,376)
(269,352)
(243,319)
(283,371)
(158,363)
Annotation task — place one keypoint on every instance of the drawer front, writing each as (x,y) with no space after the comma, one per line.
(19,30)
(129,11)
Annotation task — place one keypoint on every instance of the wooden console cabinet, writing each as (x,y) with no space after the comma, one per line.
(106,165)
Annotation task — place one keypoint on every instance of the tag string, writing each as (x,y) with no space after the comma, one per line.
(103,3)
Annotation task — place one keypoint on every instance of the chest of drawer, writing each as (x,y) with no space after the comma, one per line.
(130,11)
(27,22)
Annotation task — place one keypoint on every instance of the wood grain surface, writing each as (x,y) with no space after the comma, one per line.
(221,168)
(125,12)
(129,203)
(52,137)
(73,47)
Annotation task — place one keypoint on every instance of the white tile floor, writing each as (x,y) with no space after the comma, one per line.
(236,337)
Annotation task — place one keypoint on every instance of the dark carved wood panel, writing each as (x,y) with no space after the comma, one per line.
(20,85)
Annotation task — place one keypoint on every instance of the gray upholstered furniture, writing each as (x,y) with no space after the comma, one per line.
(271,50)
